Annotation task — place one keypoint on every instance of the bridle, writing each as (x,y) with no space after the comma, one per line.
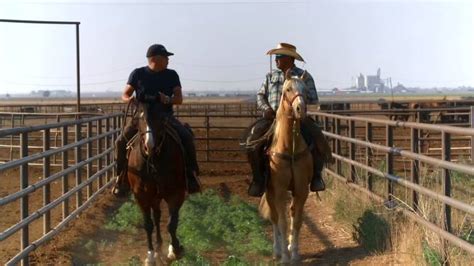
(290,102)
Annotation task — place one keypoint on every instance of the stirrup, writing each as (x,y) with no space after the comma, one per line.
(193,184)
(120,190)
(255,189)
(317,184)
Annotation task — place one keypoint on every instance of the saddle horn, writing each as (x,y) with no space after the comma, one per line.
(288,74)
(303,76)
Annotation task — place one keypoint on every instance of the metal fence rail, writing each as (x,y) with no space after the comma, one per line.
(348,140)
(84,159)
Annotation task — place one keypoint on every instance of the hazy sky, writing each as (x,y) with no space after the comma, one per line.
(221,45)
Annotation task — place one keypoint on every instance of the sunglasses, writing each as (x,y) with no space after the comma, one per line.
(280,56)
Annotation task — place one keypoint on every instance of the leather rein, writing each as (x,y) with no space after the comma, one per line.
(287,156)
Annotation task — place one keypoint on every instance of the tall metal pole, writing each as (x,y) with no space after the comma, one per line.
(78,70)
(271,64)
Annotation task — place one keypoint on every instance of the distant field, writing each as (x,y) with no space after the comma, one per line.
(48,101)
(243,99)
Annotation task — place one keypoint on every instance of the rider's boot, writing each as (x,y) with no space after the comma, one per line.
(121,187)
(193,183)
(258,184)
(317,182)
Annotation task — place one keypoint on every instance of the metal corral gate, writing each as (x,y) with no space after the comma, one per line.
(97,132)
(355,147)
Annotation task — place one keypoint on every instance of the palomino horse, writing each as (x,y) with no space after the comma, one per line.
(156,171)
(291,168)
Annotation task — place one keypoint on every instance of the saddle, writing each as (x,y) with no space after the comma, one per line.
(170,132)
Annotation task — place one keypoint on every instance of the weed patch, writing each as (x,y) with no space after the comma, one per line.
(207,222)
(127,218)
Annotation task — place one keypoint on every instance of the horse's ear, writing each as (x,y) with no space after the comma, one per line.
(303,76)
(288,74)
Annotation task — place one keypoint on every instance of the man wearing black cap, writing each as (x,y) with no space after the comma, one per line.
(155,79)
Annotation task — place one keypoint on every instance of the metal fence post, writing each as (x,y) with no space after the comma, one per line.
(446,183)
(415,166)
(107,146)
(114,138)
(24,199)
(99,151)
(65,185)
(11,137)
(89,155)
(368,154)
(472,137)
(207,136)
(337,130)
(352,149)
(78,158)
(389,160)
(47,187)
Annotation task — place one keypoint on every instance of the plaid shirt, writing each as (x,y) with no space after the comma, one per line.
(270,93)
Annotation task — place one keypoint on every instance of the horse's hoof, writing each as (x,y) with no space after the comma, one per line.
(295,258)
(285,260)
(171,254)
(150,258)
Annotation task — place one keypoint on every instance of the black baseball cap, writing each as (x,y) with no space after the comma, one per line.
(157,49)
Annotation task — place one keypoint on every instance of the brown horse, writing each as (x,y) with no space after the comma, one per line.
(156,171)
(291,168)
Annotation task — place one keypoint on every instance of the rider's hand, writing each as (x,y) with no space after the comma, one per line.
(269,113)
(164,98)
(133,100)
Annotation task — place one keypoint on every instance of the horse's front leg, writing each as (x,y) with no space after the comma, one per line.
(159,239)
(148,223)
(175,248)
(280,205)
(297,206)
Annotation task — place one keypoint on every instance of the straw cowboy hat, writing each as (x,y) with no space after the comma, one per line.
(286,49)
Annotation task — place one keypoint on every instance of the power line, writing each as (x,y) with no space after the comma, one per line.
(220,66)
(183,3)
(224,81)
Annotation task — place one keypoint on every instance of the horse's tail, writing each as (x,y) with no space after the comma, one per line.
(264,208)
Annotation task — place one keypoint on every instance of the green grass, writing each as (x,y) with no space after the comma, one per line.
(126,219)
(431,256)
(208,223)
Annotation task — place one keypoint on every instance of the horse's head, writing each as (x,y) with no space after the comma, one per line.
(293,96)
(150,126)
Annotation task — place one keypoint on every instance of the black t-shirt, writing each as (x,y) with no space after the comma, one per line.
(148,82)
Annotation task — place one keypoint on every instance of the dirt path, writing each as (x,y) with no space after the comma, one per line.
(323,241)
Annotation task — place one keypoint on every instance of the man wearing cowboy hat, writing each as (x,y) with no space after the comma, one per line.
(268,99)
(155,81)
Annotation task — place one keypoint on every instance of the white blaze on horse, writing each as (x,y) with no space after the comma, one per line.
(291,169)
